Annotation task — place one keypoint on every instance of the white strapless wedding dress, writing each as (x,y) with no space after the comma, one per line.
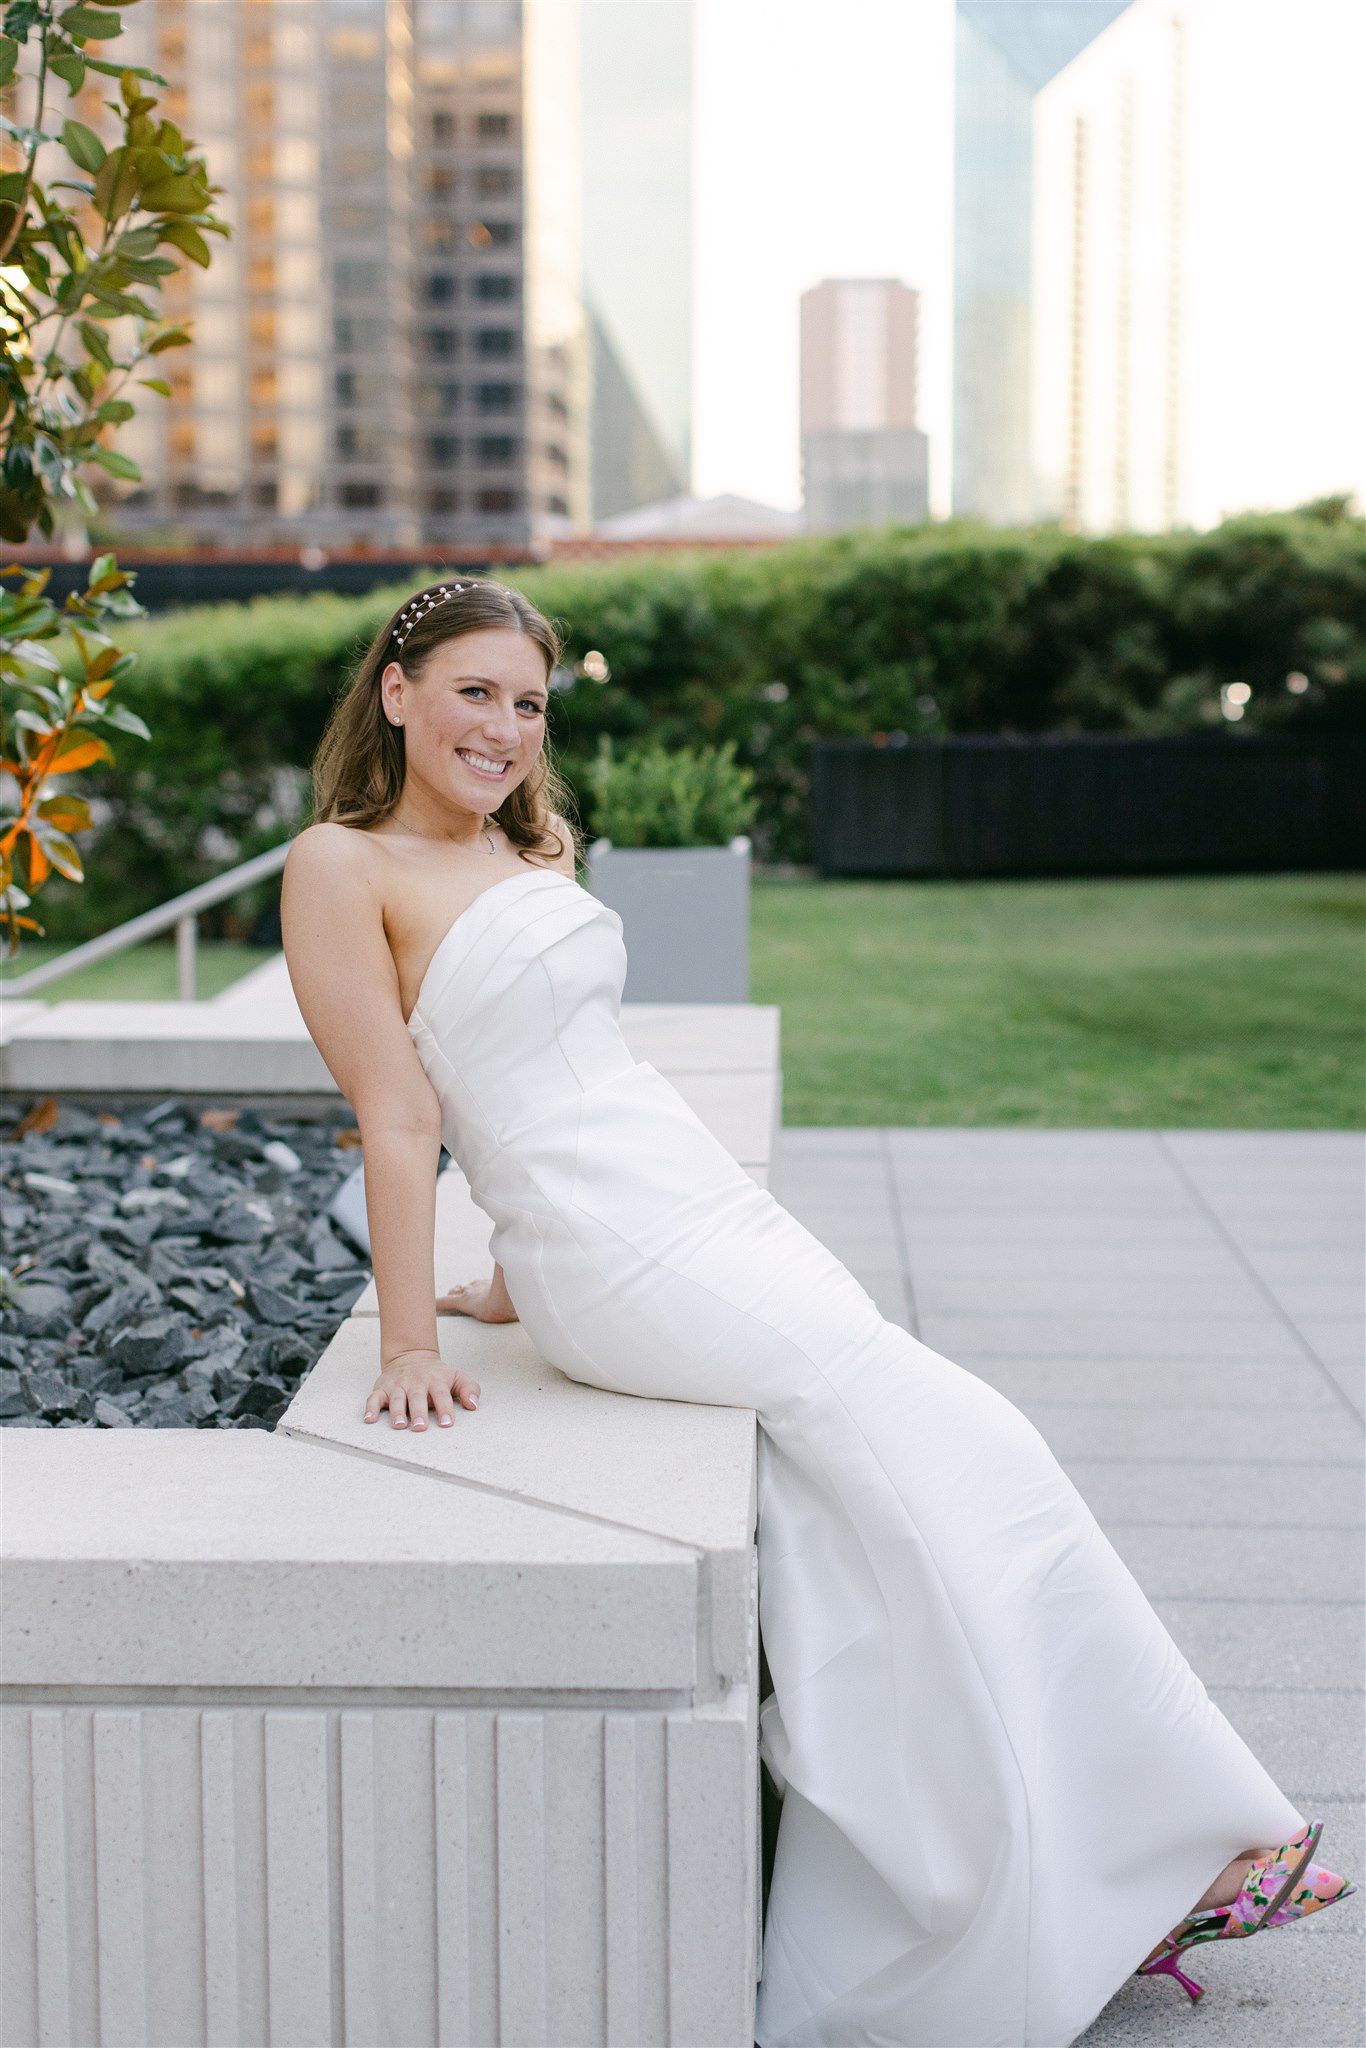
(1002,1782)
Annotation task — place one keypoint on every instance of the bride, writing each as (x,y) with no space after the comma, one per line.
(1004,1789)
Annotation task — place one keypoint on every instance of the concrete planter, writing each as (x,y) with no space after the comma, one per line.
(685,918)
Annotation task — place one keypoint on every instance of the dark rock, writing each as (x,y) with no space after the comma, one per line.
(109,1415)
(134,1231)
(13,1351)
(48,1394)
(122,1305)
(157,1343)
(270,1304)
(12,1400)
(260,1397)
(243,1220)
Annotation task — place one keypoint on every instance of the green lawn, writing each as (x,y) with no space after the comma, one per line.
(147,971)
(1228,1002)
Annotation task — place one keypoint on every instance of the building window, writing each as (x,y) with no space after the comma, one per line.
(556,454)
(441,236)
(497,501)
(557,504)
(438,400)
(440,288)
(443,128)
(356,280)
(354,336)
(441,344)
(497,448)
(495,127)
(496,341)
(492,181)
(265,495)
(361,496)
(502,234)
(346,387)
(496,397)
(443,448)
(440,182)
(443,501)
(495,287)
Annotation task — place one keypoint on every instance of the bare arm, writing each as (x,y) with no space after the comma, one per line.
(346,984)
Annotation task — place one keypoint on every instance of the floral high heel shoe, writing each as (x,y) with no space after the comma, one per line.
(1277,1888)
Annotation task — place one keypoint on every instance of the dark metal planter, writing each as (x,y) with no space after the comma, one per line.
(1097,804)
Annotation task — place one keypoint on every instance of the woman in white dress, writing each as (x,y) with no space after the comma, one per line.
(1004,1789)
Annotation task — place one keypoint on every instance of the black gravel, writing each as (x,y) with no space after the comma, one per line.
(164,1266)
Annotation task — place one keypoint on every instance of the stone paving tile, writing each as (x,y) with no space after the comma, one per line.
(1027,1291)
(1297,1434)
(1134,1336)
(1264,1564)
(1197,1495)
(1162,1383)
(1307,1738)
(1246,1642)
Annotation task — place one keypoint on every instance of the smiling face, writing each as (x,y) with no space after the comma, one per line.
(473,719)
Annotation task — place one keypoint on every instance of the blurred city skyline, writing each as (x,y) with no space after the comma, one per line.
(829,153)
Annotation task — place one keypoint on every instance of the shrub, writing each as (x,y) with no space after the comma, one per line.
(690,796)
(930,631)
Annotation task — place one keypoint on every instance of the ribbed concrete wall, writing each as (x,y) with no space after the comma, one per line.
(375,1874)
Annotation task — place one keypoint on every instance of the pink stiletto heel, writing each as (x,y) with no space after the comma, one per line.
(1282,1886)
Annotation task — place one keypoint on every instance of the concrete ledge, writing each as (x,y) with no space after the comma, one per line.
(273,1563)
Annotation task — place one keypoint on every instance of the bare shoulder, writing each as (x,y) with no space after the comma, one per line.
(329,856)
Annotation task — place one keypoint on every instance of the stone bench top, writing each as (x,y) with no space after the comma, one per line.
(241,1558)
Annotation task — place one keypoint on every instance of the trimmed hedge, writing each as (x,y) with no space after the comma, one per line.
(927,631)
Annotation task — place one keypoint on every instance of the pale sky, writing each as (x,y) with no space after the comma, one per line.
(824,148)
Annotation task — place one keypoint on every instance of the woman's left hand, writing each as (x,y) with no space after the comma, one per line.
(487,1301)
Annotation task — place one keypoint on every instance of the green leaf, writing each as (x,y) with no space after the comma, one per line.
(97,343)
(118,465)
(115,411)
(69,66)
(12,185)
(119,716)
(116,184)
(121,70)
(157,384)
(183,236)
(61,851)
(9,57)
(83,145)
(180,193)
(90,23)
(175,337)
(20,17)
(102,566)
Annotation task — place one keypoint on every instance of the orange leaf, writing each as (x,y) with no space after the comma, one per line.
(41,1117)
(39,866)
(79,755)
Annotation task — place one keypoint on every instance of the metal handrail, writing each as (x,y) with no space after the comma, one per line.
(181,911)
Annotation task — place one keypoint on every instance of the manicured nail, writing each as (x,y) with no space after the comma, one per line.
(446,1421)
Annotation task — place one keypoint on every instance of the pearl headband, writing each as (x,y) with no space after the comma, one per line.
(419,607)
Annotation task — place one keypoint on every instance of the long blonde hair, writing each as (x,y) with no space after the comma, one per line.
(360,764)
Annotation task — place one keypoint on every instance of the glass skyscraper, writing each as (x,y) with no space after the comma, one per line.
(1006,50)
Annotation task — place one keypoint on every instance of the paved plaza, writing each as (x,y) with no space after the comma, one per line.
(1180,1313)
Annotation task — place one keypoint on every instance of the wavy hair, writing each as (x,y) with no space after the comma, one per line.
(360,764)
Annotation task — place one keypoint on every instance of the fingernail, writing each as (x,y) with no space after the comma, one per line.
(446,1421)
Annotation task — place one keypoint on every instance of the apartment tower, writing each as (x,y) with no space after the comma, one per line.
(864,459)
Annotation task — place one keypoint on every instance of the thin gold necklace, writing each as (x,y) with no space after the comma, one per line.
(426,835)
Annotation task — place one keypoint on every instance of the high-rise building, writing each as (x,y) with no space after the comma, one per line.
(1005,52)
(864,459)
(1108,327)
(637,100)
(391,351)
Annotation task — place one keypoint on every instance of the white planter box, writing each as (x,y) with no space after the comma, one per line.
(685,917)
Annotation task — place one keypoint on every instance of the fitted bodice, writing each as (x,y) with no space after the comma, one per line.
(518,1014)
